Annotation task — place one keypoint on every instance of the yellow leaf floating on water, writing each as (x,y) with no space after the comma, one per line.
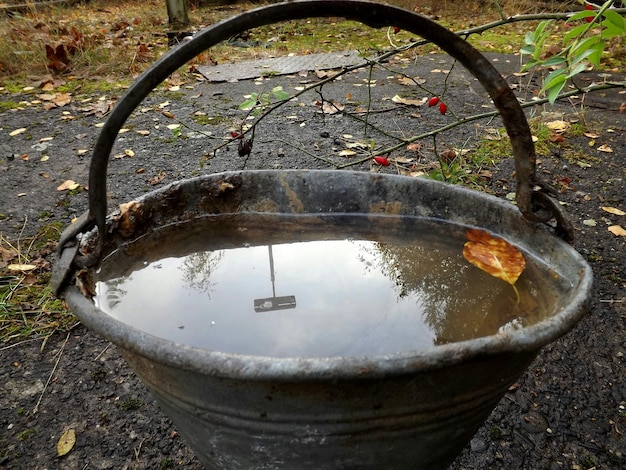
(66,442)
(495,256)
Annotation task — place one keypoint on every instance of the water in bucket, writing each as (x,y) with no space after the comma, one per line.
(291,289)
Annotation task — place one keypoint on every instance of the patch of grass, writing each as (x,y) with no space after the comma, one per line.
(131,403)
(28,307)
(26,434)
(204,120)
(7,105)
(580,158)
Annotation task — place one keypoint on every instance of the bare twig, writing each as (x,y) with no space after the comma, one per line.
(59,354)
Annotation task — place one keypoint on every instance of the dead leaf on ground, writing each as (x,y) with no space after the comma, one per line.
(66,442)
(617,230)
(408,81)
(21,267)
(57,57)
(21,130)
(605,148)
(347,153)
(68,185)
(157,179)
(613,210)
(6,256)
(494,256)
(332,107)
(409,102)
(558,126)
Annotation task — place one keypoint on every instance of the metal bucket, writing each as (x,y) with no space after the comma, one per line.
(407,410)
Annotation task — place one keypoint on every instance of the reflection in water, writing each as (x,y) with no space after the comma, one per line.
(197,269)
(354,297)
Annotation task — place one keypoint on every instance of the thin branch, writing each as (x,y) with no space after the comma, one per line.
(43,392)
(476,117)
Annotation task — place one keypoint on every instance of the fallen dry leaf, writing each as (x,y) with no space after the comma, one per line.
(347,153)
(409,102)
(613,210)
(495,256)
(6,256)
(68,185)
(332,107)
(408,81)
(558,126)
(127,216)
(17,131)
(157,179)
(605,148)
(66,442)
(21,267)
(617,230)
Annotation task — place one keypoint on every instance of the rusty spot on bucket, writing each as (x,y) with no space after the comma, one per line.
(384,207)
(295,204)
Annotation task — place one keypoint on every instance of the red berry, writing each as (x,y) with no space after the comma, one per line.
(443,108)
(234,134)
(381,161)
(433,101)
(588,7)
(396,30)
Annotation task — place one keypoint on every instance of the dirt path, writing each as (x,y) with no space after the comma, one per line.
(566,412)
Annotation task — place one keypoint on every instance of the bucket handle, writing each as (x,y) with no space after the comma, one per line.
(532,195)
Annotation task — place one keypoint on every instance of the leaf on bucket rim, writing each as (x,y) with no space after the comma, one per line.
(66,442)
(495,256)
(127,216)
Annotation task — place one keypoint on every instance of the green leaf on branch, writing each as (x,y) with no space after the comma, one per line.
(554,83)
(249,103)
(575,32)
(280,94)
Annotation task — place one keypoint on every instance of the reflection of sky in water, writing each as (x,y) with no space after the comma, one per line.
(345,304)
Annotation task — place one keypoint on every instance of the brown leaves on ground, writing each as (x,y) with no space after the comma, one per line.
(495,256)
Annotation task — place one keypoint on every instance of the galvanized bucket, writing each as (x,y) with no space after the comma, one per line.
(407,410)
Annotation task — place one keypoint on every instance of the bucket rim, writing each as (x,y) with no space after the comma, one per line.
(263,368)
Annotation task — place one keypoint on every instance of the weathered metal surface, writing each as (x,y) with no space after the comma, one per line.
(279,66)
(414,409)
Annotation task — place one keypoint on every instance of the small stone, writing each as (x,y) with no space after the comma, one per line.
(478,445)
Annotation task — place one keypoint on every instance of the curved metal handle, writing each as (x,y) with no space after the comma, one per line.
(534,204)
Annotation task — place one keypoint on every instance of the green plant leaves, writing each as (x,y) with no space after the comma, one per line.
(582,46)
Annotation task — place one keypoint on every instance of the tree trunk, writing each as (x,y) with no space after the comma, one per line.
(177,12)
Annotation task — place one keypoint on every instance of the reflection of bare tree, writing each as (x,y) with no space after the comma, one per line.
(457,304)
(198,267)
(114,291)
